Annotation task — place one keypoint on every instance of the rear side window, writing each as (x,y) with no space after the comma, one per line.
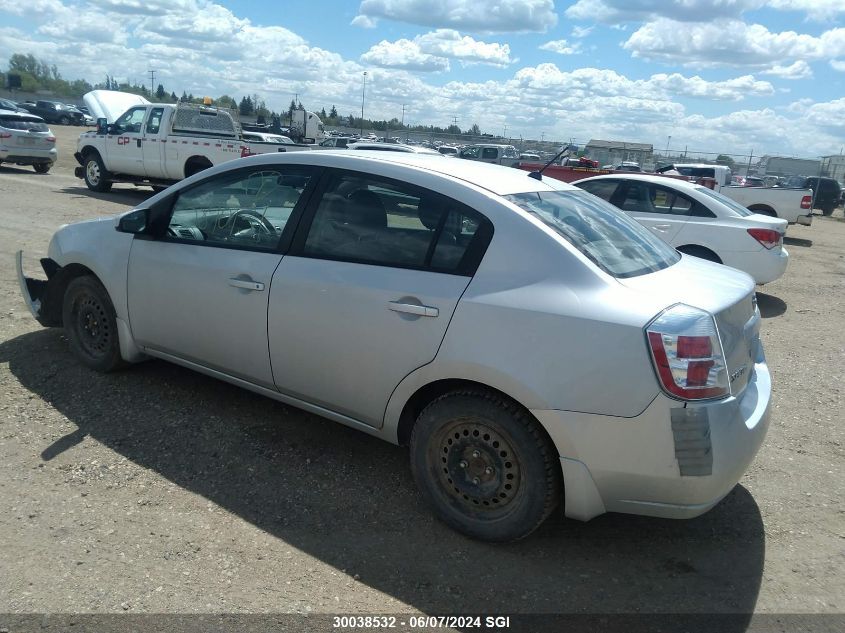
(367,220)
(615,243)
(154,122)
(30,124)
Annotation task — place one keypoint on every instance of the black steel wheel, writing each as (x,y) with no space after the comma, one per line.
(91,325)
(485,466)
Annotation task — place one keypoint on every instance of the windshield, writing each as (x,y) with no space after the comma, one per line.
(614,242)
(731,204)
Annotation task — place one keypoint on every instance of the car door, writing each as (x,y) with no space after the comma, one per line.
(367,290)
(152,149)
(660,209)
(124,149)
(198,286)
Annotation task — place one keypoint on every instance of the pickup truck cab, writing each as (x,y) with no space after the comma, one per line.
(158,144)
(492,153)
(55,112)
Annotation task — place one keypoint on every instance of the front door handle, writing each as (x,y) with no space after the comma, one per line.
(662,227)
(413,308)
(246,284)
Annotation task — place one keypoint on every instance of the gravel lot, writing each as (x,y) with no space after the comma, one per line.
(158,490)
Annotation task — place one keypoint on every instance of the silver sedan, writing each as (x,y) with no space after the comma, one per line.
(529,342)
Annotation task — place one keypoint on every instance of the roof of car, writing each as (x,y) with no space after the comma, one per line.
(21,115)
(495,178)
(654,178)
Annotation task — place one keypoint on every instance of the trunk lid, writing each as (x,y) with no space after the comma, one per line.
(726,293)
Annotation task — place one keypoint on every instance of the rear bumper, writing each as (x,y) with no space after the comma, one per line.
(27,156)
(670,461)
(805,220)
(765,266)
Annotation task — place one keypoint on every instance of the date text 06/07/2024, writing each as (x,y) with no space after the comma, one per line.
(420,621)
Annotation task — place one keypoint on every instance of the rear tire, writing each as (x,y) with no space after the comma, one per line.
(42,168)
(96,174)
(485,466)
(828,209)
(700,252)
(90,324)
(64,120)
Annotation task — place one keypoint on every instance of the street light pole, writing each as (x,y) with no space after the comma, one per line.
(363,90)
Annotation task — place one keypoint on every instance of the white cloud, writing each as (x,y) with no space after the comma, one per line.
(432,52)
(797,70)
(492,16)
(144,7)
(364,22)
(729,43)
(815,9)
(561,47)
(405,54)
(616,11)
(580,32)
(838,65)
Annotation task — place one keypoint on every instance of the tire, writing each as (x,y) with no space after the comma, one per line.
(96,174)
(91,325)
(484,466)
(64,120)
(42,168)
(194,167)
(700,252)
(828,209)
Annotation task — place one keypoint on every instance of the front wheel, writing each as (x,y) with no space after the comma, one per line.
(64,120)
(42,168)
(484,466)
(91,324)
(96,174)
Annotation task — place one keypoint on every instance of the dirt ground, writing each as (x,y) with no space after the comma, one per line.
(159,490)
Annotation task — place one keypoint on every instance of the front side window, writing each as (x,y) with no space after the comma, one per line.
(669,202)
(604,189)
(248,210)
(614,242)
(470,152)
(131,120)
(489,153)
(367,220)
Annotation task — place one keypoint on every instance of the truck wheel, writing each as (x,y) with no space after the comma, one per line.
(96,174)
(91,325)
(42,168)
(828,209)
(64,120)
(484,466)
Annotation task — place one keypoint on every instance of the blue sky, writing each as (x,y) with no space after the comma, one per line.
(718,75)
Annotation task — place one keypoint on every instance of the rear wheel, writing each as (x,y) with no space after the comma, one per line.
(96,174)
(91,325)
(828,209)
(42,168)
(484,466)
(700,252)
(64,120)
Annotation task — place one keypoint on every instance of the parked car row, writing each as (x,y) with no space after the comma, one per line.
(529,343)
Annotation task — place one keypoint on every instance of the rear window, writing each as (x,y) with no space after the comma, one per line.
(615,243)
(734,206)
(31,124)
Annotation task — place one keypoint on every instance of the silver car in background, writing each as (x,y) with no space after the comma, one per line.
(529,342)
(25,139)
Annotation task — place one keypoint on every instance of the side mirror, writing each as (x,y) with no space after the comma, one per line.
(102,125)
(134,222)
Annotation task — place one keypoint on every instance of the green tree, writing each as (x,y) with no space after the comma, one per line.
(724,159)
(323,115)
(246,107)
(160,93)
(173,97)
(333,113)
(474,130)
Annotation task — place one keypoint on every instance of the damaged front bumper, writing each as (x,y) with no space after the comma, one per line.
(40,295)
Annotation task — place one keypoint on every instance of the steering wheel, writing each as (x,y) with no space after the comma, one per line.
(258,224)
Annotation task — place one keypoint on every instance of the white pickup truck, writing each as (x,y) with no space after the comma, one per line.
(793,205)
(157,144)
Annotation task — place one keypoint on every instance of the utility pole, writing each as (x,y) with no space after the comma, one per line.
(404,105)
(363,91)
(505,132)
(152,81)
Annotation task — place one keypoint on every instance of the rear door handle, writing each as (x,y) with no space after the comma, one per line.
(246,284)
(413,308)
(662,227)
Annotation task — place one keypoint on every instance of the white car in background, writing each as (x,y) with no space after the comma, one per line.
(264,137)
(25,139)
(392,147)
(698,221)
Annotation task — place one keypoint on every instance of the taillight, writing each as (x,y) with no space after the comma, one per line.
(767,237)
(50,139)
(687,354)
(5,135)
(807,202)
(245,151)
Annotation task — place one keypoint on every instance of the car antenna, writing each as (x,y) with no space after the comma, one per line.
(538,175)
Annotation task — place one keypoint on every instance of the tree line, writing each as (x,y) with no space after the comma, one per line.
(39,76)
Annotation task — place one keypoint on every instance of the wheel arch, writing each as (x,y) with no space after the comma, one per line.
(88,150)
(763,209)
(696,250)
(196,164)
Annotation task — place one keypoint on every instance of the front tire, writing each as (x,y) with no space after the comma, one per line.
(64,120)
(42,168)
(90,324)
(484,466)
(96,174)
